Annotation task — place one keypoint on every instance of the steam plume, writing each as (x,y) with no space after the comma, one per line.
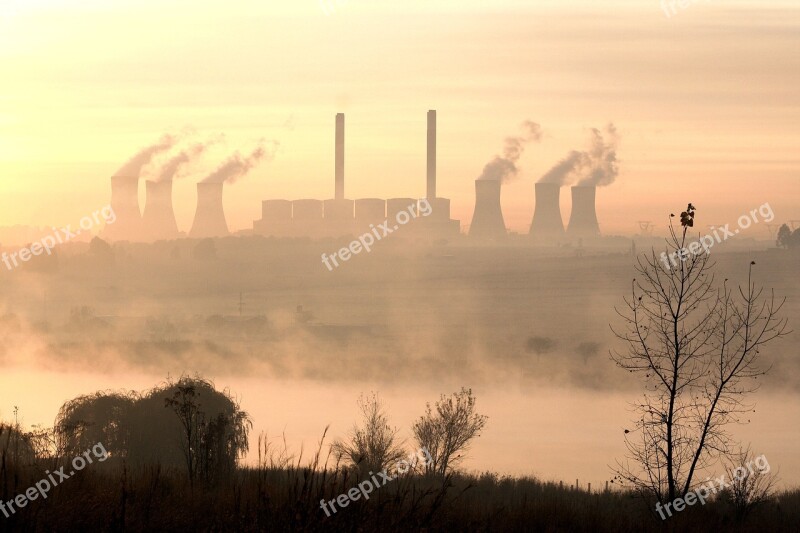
(565,170)
(237,166)
(603,153)
(503,168)
(596,166)
(171,167)
(133,168)
(176,163)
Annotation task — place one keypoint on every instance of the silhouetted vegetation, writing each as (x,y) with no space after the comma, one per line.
(162,445)
(447,431)
(182,424)
(374,444)
(788,238)
(695,345)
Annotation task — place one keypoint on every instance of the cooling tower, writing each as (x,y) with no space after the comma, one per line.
(307,210)
(339,170)
(547,224)
(276,210)
(583,219)
(431,167)
(125,203)
(370,210)
(209,218)
(158,220)
(487,220)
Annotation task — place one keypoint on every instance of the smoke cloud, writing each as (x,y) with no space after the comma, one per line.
(604,167)
(237,165)
(503,168)
(133,168)
(597,166)
(176,163)
(566,170)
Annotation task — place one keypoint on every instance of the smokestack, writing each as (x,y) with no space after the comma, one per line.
(487,220)
(547,223)
(209,218)
(431,154)
(158,221)
(339,157)
(583,219)
(125,203)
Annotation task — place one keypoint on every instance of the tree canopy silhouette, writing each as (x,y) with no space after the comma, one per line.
(140,428)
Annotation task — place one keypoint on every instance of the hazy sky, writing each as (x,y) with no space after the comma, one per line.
(707,101)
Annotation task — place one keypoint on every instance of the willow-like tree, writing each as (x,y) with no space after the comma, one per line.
(696,344)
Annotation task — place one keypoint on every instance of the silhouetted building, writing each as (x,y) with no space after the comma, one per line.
(158,220)
(209,218)
(487,220)
(583,218)
(547,225)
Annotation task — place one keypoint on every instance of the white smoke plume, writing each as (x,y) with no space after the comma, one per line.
(503,168)
(172,168)
(175,163)
(565,171)
(237,165)
(133,168)
(596,166)
(604,166)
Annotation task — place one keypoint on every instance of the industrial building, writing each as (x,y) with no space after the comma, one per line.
(341,216)
(125,203)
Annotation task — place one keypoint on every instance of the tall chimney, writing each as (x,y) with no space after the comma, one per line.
(431,154)
(487,220)
(583,219)
(547,223)
(209,218)
(158,220)
(339,157)
(125,203)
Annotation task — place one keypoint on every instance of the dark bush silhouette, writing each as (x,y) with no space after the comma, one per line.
(142,429)
(540,345)
(788,238)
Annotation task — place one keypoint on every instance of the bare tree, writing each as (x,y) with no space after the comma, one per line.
(696,344)
(752,482)
(374,445)
(447,433)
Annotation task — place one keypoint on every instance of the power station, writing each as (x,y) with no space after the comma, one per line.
(209,218)
(340,216)
(158,220)
(583,219)
(487,219)
(547,225)
(125,203)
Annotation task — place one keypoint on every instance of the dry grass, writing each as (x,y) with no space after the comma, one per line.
(283,493)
